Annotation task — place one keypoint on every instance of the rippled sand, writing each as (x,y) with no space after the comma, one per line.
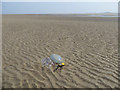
(88,46)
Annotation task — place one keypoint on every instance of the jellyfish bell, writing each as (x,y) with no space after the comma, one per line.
(56,58)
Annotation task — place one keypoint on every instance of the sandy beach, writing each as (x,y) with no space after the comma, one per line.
(88,45)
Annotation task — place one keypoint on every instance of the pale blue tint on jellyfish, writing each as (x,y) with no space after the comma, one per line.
(56,58)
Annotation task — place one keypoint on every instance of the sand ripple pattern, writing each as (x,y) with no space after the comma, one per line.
(88,47)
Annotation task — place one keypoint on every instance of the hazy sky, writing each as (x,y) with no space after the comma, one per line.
(58,7)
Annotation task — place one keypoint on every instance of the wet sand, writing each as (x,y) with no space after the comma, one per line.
(89,46)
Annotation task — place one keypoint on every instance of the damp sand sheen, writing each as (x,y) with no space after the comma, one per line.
(88,45)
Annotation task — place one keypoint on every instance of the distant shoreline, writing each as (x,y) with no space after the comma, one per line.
(59,17)
(77,15)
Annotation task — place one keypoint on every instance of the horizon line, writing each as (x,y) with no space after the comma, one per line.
(68,13)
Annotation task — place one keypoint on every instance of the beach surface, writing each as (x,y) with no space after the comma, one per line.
(88,45)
